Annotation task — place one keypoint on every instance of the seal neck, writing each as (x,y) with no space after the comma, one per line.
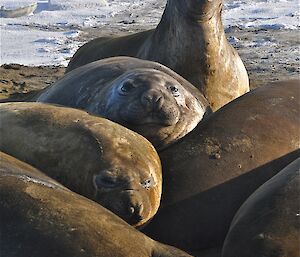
(195,38)
(187,23)
(196,20)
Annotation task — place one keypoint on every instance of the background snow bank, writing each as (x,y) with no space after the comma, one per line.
(52,34)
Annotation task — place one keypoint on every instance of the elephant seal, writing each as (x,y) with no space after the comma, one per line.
(39,217)
(268,224)
(14,167)
(89,155)
(141,95)
(189,39)
(216,167)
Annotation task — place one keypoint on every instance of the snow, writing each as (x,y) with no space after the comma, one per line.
(29,46)
(264,14)
(51,35)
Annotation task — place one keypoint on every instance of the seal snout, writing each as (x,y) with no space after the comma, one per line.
(152,100)
(133,207)
(128,204)
(135,213)
(158,109)
(121,195)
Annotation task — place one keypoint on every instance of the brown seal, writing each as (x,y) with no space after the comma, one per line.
(189,39)
(39,217)
(90,155)
(141,95)
(268,223)
(216,167)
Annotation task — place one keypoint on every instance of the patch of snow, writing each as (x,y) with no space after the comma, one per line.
(53,41)
(262,42)
(262,14)
(72,33)
(234,41)
(28,46)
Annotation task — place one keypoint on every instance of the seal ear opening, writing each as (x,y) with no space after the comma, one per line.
(148,183)
(173,89)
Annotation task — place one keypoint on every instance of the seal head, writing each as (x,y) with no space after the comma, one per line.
(151,103)
(91,156)
(131,195)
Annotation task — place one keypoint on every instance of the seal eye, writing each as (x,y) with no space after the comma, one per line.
(174,90)
(105,182)
(126,87)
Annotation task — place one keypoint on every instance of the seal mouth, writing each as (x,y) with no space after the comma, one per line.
(159,118)
(136,115)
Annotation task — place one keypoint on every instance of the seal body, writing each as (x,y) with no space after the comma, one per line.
(268,224)
(89,155)
(39,217)
(215,168)
(141,95)
(189,39)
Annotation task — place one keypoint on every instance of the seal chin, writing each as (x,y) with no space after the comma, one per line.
(166,116)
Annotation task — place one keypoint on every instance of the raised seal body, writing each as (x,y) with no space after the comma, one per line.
(268,223)
(211,171)
(89,155)
(189,39)
(39,217)
(144,96)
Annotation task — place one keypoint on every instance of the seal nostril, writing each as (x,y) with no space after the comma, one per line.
(146,100)
(135,211)
(152,98)
(131,210)
(159,102)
